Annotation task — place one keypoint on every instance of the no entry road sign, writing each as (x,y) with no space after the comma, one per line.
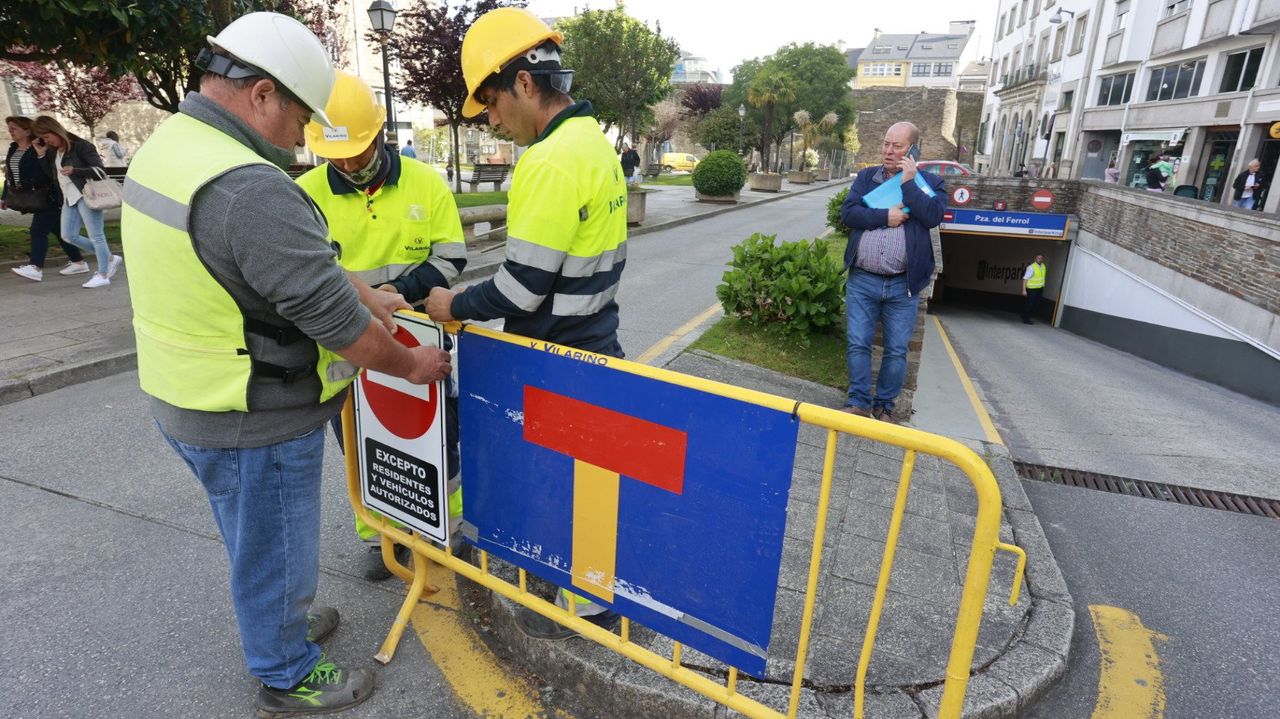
(400,440)
(1042,199)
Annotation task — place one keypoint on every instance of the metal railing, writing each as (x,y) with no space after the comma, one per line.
(982,551)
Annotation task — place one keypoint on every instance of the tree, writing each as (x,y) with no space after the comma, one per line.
(851,141)
(700,99)
(667,116)
(721,128)
(821,77)
(428,41)
(84,93)
(157,41)
(810,130)
(619,64)
(769,88)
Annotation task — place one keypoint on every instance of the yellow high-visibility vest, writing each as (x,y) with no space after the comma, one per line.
(191,343)
(1037,276)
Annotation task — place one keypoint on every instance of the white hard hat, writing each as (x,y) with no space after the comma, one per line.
(283,49)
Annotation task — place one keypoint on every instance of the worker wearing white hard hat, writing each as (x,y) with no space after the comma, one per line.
(248,333)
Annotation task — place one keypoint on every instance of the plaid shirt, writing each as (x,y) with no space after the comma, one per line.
(883,250)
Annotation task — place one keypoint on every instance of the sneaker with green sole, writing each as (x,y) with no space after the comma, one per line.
(327,689)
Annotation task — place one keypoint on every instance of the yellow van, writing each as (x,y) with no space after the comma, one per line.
(683,161)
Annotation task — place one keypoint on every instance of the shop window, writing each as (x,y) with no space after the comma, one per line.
(1241,71)
(1174,82)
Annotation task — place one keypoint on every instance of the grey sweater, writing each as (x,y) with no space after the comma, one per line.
(264,241)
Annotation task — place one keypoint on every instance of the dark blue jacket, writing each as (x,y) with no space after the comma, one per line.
(926,213)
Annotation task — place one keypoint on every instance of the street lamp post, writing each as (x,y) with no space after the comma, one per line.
(742,113)
(382,15)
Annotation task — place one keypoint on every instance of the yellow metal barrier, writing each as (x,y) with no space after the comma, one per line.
(983,547)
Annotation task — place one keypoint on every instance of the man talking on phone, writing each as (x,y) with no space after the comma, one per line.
(890,262)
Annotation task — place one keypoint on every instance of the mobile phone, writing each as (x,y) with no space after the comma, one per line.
(914,153)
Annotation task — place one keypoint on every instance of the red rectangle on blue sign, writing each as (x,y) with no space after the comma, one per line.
(611,440)
(699,565)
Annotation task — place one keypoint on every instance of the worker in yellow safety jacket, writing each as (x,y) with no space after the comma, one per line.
(395,225)
(566,213)
(248,334)
(1032,288)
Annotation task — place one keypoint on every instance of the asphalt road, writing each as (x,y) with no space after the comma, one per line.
(1064,401)
(1204,578)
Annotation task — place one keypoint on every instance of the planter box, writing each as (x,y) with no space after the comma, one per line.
(727,199)
(764,182)
(635,205)
(800,177)
(823,175)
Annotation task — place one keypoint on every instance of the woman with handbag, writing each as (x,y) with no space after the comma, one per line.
(76,166)
(29,190)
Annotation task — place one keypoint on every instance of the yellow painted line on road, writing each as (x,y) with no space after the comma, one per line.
(988,427)
(480,682)
(683,330)
(1130,683)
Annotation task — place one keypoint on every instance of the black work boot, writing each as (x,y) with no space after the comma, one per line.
(539,627)
(321,621)
(327,689)
(374,570)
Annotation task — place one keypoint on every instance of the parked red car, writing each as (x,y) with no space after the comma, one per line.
(945,168)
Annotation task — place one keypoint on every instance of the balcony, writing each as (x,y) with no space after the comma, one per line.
(1023,76)
(1217,22)
(1171,34)
(1268,11)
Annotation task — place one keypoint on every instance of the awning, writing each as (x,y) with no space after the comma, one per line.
(1172,137)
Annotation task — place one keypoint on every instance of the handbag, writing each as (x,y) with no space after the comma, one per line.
(24,199)
(27,201)
(102,192)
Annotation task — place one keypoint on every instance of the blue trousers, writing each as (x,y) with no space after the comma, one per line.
(872,299)
(266,502)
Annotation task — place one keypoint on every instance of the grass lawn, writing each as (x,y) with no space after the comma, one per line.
(475,199)
(15,243)
(822,361)
(680,180)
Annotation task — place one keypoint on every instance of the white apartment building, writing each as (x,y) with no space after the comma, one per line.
(1117,81)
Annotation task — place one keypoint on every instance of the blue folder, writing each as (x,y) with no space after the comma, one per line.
(889,193)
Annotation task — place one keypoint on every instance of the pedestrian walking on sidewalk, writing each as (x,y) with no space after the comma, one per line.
(567,232)
(29,188)
(248,333)
(416,246)
(1032,288)
(890,261)
(1247,187)
(75,160)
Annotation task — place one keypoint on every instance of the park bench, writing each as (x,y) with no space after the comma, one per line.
(496,174)
(651,172)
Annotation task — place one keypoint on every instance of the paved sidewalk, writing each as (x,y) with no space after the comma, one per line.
(55,333)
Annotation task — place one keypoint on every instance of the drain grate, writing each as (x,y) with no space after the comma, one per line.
(1241,503)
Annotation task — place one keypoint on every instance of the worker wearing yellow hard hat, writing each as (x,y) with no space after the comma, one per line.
(566,213)
(396,226)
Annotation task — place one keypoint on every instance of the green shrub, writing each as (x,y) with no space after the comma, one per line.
(833,212)
(797,287)
(720,173)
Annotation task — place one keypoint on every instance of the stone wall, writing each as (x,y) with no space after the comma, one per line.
(946,118)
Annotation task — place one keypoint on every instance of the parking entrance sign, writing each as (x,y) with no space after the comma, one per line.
(400,440)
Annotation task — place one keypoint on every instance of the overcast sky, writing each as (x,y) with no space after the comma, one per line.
(730,31)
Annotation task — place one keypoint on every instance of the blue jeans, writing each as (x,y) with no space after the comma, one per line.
(44,224)
(266,502)
(1244,203)
(870,299)
(80,215)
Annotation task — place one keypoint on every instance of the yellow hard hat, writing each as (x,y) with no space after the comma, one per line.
(356,115)
(495,39)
